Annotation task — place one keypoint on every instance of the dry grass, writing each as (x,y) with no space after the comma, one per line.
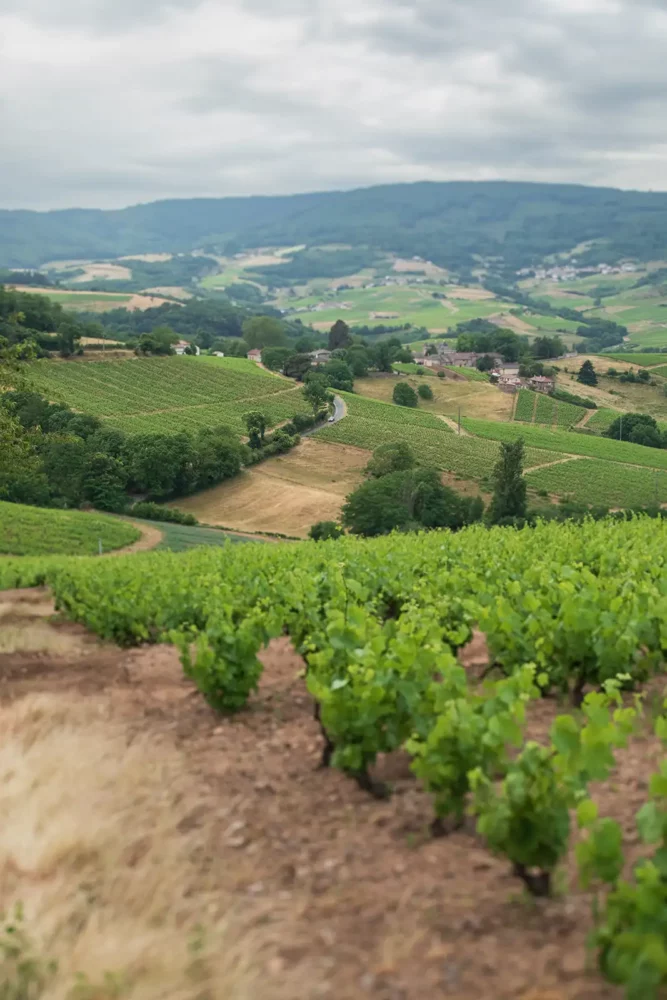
(104,271)
(108,845)
(476,399)
(287,494)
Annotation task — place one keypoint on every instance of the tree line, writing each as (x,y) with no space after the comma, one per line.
(52,456)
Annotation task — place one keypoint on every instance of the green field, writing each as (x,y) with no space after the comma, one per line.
(538,408)
(370,423)
(470,373)
(31,531)
(169,394)
(389,305)
(412,369)
(602,419)
(182,537)
(601,483)
(569,442)
(643,360)
(550,324)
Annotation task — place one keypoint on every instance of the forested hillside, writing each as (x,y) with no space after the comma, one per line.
(448,223)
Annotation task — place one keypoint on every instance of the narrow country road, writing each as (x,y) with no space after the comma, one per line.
(340,411)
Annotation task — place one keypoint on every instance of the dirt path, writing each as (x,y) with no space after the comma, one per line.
(586,417)
(362,903)
(560,461)
(454,425)
(150,538)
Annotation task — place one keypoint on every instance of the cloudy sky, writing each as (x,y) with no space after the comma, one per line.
(111,102)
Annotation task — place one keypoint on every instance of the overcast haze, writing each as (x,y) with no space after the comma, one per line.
(105,103)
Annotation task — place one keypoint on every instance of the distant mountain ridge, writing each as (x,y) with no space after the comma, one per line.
(452,223)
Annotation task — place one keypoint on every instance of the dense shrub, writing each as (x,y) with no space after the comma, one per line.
(155,512)
(323,531)
(404,395)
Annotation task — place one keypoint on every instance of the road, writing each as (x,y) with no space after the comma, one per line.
(340,411)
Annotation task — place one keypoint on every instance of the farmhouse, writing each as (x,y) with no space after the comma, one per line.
(540,383)
(320,357)
(254,355)
(183,345)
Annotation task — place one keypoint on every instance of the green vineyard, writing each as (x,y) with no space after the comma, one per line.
(604,484)
(575,611)
(370,423)
(169,394)
(571,443)
(538,408)
(39,531)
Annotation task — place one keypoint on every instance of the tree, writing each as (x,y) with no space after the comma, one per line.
(412,499)
(323,531)
(425,392)
(256,426)
(548,347)
(404,395)
(103,483)
(397,456)
(297,365)
(275,357)
(218,456)
(338,375)
(639,428)
(22,478)
(587,374)
(160,465)
(358,360)
(264,331)
(383,356)
(315,391)
(485,363)
(509,495)
(339,335)
(68,338)
(64,461)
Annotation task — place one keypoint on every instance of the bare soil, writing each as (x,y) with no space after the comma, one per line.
(372,906)
(285,494)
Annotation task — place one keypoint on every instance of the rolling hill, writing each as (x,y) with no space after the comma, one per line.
(450,223)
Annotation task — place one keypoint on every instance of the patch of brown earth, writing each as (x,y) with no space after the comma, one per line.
(358,897)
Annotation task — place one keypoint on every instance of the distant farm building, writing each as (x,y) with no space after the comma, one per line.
(182,346)
(320,357)
(254,355)
(540,383)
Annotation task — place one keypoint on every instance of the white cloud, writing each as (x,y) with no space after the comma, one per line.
(109,102)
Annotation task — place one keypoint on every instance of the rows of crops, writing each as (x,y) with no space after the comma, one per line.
(35,530)
(604,484)
(276,408)
(370,423)
(564,608)
(602,419)
(643,360)
(525,406)
(569,442)
(168,394)
(539,408)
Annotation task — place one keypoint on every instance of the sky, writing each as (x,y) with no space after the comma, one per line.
(107,103)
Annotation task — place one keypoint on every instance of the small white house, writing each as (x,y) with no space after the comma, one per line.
(254,355)
(182,346)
